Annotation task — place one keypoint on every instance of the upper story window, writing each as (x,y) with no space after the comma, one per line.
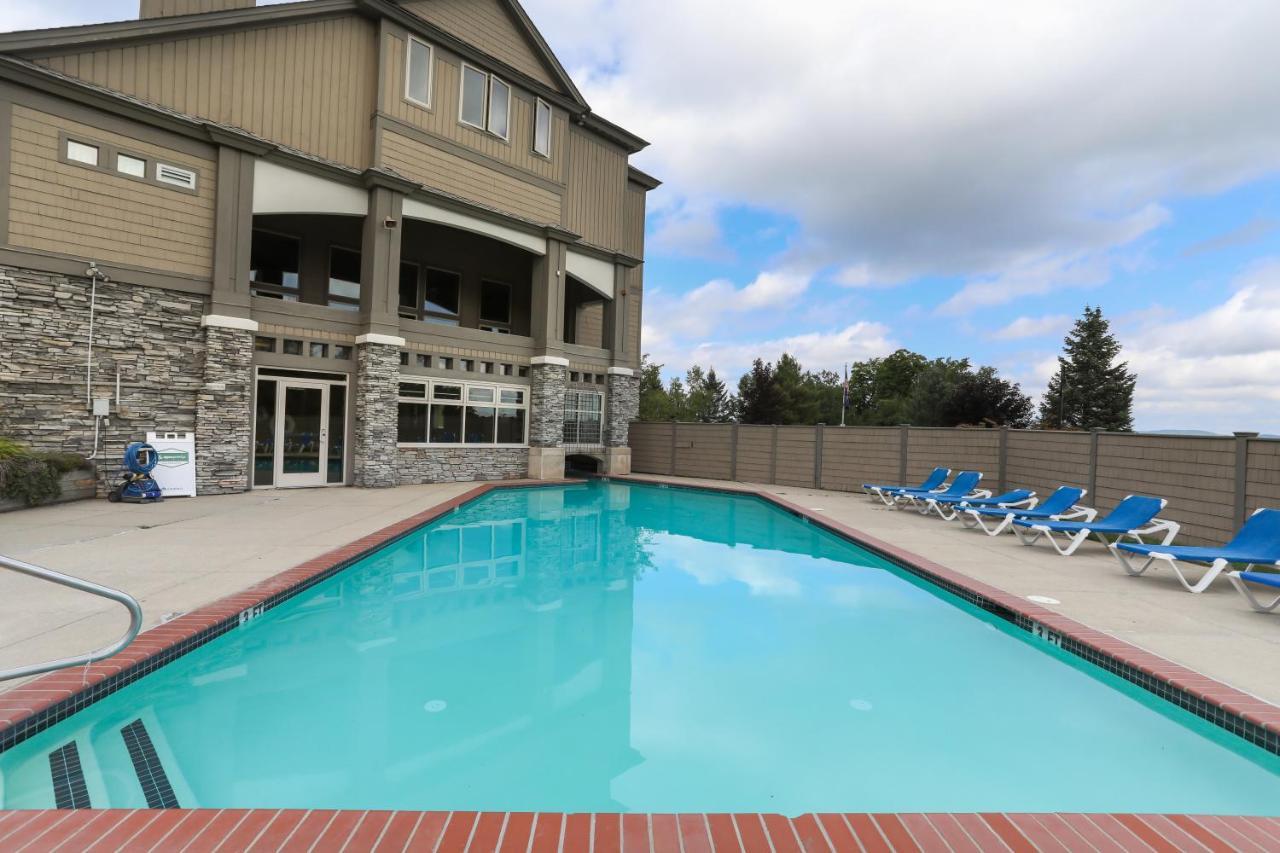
(485,103)
(273,266)
(344,279)
(127,164)
(419,70)
(433,298)
(495,307)
(81,152)
(542,128)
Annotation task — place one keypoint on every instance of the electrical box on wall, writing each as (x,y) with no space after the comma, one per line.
(101,407)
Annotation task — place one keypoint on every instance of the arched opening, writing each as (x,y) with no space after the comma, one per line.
(582,464)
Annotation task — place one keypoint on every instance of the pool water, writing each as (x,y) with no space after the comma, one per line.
(613,647)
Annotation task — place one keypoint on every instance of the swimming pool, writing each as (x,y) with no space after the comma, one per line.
(620,647)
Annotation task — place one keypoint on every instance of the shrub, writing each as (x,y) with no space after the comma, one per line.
(33,478)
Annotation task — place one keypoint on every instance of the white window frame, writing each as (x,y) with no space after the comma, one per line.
(538,107)
(462,97)
(429,389)
(121,155)
(488,113)
(431,73)
(191,173)
(97,152)
(578,411)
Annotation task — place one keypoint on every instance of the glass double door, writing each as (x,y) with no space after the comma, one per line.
(300,433)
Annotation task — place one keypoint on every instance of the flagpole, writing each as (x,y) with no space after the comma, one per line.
(844,395)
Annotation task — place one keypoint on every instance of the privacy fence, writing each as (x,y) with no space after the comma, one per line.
(1212,483)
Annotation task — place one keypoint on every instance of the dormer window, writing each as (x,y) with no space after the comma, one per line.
(485,103)
(418,73)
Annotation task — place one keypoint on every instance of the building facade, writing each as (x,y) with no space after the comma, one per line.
(343,242)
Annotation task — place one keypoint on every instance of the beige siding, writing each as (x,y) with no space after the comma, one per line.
(635,311)
(957,449)
(1264,474)
(1043,461)
(796,448)
(590,327)
(633,221)
(1196,475)
(460,177)
(164,8)
(310,86)
(755,453)
(596,204)
(442,118)
(852,456)
(651,448)
(484,24)
(73,209)
(704,450)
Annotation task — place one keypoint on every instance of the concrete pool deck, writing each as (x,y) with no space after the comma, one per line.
(185,553)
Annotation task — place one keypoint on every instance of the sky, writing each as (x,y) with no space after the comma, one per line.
(959,177)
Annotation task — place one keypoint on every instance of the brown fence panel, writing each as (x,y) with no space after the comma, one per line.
(852,456)
(957,449)
(704,450)
(1043,461)
(755,453)
(1196,476)
(1264,475)
(651,447)
(796,448)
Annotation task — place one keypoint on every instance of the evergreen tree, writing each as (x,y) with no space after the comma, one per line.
(655,405)
(716,407)
(1092,389)
(760,400)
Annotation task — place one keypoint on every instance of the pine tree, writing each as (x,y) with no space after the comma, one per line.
(760,400)
(717,407)
(1092,389)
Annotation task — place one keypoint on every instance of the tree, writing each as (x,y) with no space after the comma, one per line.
(760,400)
(655,403)
(1092,388)
(715,406)
(981,397)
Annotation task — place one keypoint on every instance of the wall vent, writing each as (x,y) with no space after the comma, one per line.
(175,176)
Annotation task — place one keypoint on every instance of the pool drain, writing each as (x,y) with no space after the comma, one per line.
(435,706)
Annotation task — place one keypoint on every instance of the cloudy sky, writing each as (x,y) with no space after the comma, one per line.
(844,177)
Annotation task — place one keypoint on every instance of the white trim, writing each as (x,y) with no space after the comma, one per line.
(223,321)
(375,338)
(176,176)
(431,72)
(489,108)
(278,189)
(597,274)
(549,359)
(551,123)
(462,99)
(416,209)
(621,371)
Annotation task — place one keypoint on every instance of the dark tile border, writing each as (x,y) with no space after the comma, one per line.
(1239,713)
(31,708)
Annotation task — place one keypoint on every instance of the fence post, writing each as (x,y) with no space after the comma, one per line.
(1094,435)
(733,452)
(1242,475)
(817,456)
(675,427)
(773,458)
(904,436)
(1004,459)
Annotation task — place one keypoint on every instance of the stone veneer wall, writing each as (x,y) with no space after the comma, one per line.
(151,336)
(459,465)
(546,404)
(376,461)
(224,417)
(623,407)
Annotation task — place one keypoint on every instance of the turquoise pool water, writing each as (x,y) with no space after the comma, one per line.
(611,647)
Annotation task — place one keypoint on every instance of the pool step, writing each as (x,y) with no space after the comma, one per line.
(69,789)
(151,775)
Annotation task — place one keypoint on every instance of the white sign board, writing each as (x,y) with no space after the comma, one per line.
(175,470)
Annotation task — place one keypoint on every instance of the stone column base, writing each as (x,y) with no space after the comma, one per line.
(617,461)
(546,463)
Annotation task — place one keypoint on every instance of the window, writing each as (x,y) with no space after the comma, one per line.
(485,103)
(582,417)
(443,296)
(542,128)
(424,360)
(475,86)
(176,176)
(319,350)
(462,413)
(341,352)
(273,266)
(418,73)
(264,344)
(499,108)
(344,279)
(495,306)
(292,347)
(408,291)
(80,152)
(134,167)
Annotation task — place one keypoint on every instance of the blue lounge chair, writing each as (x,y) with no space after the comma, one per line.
(931,483)
(948,508)
(965,485)
(1062,505)
(1134,516)
(1257,544)
(1241,581)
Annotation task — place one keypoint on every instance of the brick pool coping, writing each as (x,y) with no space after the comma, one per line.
(522,832)
(39,704)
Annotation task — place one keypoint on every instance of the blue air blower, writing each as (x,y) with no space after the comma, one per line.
(136,485)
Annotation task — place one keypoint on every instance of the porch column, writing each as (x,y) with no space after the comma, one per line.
(375,460)
(233,221)
(617,318)
(549,370)
(224,415)
(380,254)
(623,403)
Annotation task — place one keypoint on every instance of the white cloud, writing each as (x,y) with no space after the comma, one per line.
(815,350)
(1033,327)
(705,308)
